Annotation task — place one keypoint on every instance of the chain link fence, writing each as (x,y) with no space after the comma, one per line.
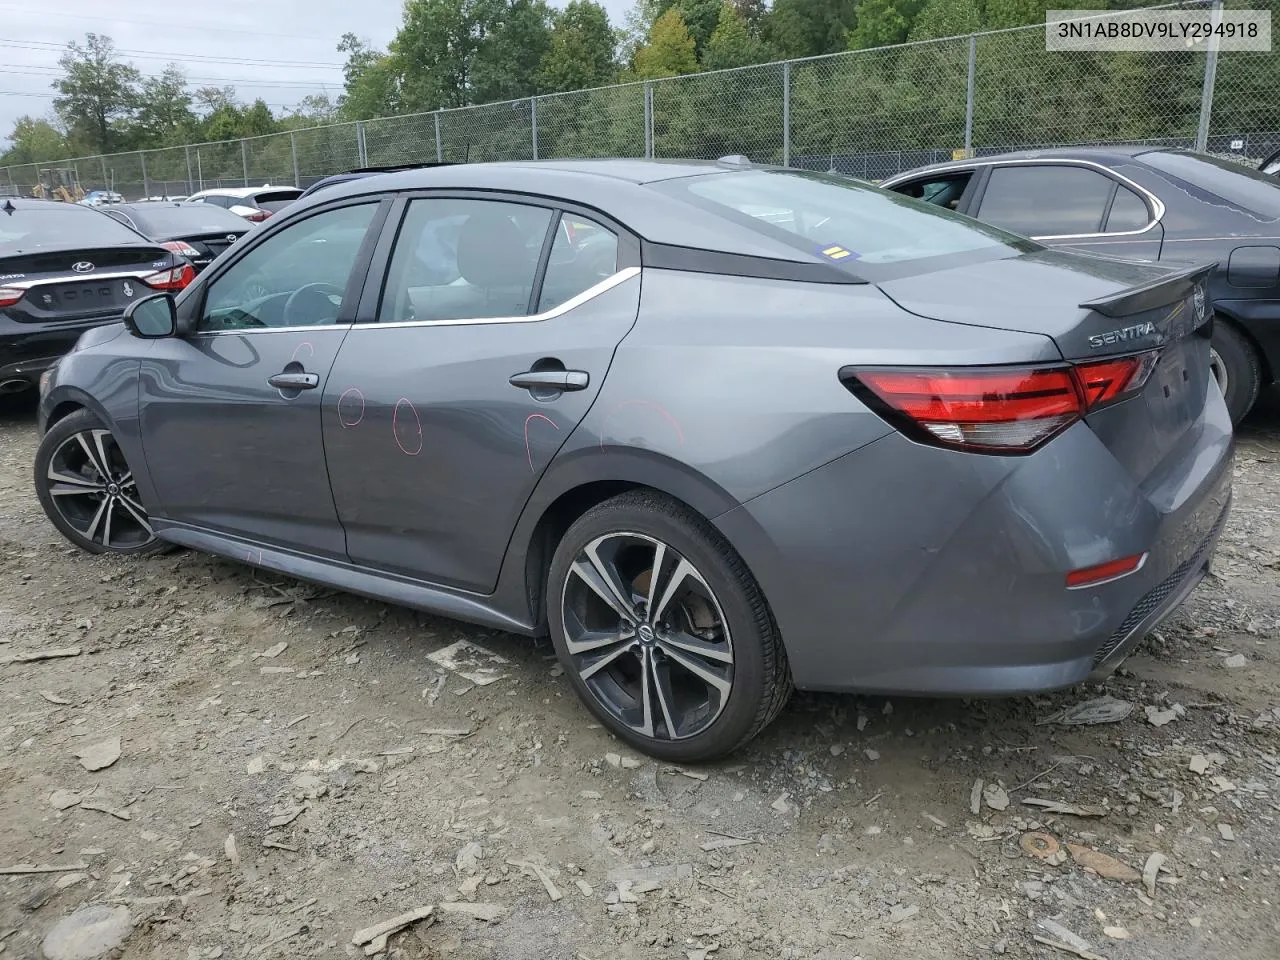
(868,113)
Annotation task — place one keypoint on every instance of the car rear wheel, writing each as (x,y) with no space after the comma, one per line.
(88,491)
(662,630)
(1235,366)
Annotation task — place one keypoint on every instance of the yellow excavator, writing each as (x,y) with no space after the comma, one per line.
(58,183)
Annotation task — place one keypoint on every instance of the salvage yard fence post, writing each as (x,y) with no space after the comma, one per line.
(786,114)
(244,160)
(648,120)
(533,122)
(1210,78)
(968,96)
(146,184)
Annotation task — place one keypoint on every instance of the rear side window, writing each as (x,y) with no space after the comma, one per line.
(872,232)
(461,259)
(60,225)
(582,254)
(1046,200)
(1128,212)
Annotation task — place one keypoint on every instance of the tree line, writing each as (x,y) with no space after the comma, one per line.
(458,53)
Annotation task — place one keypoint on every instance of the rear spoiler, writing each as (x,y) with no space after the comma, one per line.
(1158,292)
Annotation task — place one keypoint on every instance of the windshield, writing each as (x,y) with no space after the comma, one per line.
(1231,181)
(867,229)
(60,225)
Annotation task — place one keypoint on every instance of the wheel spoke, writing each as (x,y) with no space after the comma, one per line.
(600,577)
(126,480)
(95,454)
(83,484)
(662,691)
(702,671)
(106,522)
(683,571)
(139,515)
(595,639)
(655,576)
(97,519)
(604,661)
(646,694)
(696,645)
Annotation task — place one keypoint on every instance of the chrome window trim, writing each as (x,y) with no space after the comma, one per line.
(1154,203)
(608,283)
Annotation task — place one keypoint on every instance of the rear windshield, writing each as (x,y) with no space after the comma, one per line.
(1231,181)
(186,220)
(60,225)
(277,200)
(872,232)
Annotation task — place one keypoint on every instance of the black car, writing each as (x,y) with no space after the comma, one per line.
(63,269)
(325,182)
(1140,203)
(198,231)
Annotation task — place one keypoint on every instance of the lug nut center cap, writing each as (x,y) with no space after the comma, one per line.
(113,489)
(645,632)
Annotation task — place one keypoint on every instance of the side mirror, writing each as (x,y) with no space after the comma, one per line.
(153,317)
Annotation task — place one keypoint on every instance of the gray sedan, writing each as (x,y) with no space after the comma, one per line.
(719,430)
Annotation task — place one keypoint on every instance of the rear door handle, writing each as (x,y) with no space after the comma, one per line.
(551,380)
(295,381)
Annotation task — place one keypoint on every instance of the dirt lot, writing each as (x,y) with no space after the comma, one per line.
(361,780)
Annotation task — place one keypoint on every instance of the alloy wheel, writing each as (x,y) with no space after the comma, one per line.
(1219,370)
(93,490)
(647,636)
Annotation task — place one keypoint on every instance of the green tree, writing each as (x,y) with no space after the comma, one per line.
(581,50)
(164,108)
(809,28)
(670,51)
(434,51)
(880,24)
(371,81)
(946,18)
(96,93)
(33,141)
(700,16)
(516,35)
(732,43)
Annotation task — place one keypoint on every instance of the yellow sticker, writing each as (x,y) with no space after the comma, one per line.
(836,252)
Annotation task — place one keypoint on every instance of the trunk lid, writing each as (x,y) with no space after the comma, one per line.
(1093,308)
(79,284)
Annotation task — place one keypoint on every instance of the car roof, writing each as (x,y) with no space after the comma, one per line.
(240,191)
(1106,156)
(617,188)
(35,203)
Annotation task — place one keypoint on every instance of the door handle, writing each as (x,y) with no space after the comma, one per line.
(295,381)
(551,380)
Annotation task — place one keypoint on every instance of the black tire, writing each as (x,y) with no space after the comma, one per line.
(80,516)
(758,668)
(1235,357)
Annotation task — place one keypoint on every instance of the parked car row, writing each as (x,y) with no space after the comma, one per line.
(1144,204)
(720,430)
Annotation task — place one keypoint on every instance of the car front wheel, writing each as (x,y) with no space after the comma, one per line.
(88,491)
(663,631)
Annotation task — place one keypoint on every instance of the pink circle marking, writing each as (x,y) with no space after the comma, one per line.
(528,452)
(351,392)
(304,343)
(395,426)
(644,404)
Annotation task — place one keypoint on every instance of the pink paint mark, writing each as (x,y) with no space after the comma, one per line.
(249,557)
(528,452)
(350,395)
(643,404)
(304,343)
(395,427)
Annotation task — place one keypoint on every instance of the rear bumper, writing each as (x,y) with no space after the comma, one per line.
(906,569)
(28,349)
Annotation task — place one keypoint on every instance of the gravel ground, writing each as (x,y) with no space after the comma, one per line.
(294,767)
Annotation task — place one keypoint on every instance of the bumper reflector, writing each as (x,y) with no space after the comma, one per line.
(1105,572)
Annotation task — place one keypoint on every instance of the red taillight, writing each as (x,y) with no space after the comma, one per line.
(10,295)
(1104,572)
(997,409)
(181,248)
(175,279)
(257,216)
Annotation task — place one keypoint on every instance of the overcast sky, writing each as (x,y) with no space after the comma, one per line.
(285,48)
